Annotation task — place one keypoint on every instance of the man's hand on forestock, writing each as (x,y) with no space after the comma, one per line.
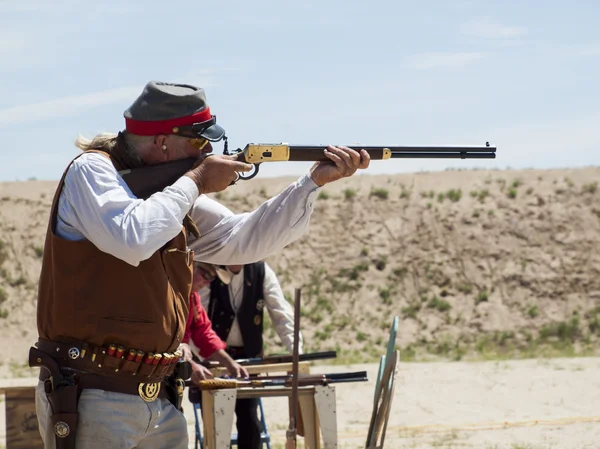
(200,372)
(343,162)
(237,370)
(215,173)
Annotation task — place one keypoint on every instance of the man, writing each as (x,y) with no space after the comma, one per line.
(117,269)
(200,334)
(236,308)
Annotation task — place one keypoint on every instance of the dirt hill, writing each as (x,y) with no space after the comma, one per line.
(473,262)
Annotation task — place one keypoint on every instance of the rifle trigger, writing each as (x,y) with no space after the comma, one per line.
(252,173)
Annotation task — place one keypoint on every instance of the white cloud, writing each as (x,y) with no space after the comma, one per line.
(202,77)
(561,142)
(66,106)
(10,7)
(590,51)
(423,61)
(489,30)
(12,42)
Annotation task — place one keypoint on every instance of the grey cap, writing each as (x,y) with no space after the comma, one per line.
(168,108)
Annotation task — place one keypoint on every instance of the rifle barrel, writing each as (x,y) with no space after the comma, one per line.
(349,379)
(315,152)
(345,375)
(287,358)
(317,377)
(443,155)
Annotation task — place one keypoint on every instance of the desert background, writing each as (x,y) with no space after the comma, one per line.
(494,275)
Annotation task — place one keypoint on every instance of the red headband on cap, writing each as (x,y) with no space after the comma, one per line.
(153,128)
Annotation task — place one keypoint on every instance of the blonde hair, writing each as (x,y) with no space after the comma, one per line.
(103,142)
(108,142)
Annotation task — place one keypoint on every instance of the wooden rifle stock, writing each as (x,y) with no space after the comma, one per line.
(145,181)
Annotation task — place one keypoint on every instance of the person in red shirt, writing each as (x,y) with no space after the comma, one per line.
(200,333)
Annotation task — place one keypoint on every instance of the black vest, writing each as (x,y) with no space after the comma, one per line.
(250,313)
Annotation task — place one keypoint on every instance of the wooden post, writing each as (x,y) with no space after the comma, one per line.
(218,407)
(327,415)
(310,422)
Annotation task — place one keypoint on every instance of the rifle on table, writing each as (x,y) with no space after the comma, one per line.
(276,358)
(150,179)
(281,381)
(287,358)
(324,379)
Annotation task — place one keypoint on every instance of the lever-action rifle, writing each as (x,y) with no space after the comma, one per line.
(146,180)
(276,358)
(356,376)
(287,358)
(281,381)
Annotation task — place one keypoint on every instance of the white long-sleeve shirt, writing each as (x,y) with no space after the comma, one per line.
(280,311)
(96,204)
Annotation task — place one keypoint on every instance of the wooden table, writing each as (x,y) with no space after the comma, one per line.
(21,420)
(317,406)
(316,403)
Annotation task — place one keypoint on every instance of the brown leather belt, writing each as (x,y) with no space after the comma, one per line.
(148,391)
(94,359)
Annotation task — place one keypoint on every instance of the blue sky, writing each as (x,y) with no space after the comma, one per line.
(522,75)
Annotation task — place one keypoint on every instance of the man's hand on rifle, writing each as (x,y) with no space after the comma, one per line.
(236,370)
(200,372)
(216,173)
(343,162)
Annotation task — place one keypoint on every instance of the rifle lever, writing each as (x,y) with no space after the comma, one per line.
(242,177)
(251,174)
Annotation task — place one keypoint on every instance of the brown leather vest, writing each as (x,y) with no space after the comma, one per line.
(89,295)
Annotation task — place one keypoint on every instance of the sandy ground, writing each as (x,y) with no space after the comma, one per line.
(534,404)
(552,403)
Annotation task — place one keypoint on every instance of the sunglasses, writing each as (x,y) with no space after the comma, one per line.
(205,274)
(199,143)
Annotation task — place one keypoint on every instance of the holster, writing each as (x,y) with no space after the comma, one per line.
(63,395)
(175,384)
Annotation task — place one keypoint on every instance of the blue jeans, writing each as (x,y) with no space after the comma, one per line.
(118,421)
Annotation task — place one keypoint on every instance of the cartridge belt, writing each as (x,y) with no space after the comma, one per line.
(111,362)
(148,391)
